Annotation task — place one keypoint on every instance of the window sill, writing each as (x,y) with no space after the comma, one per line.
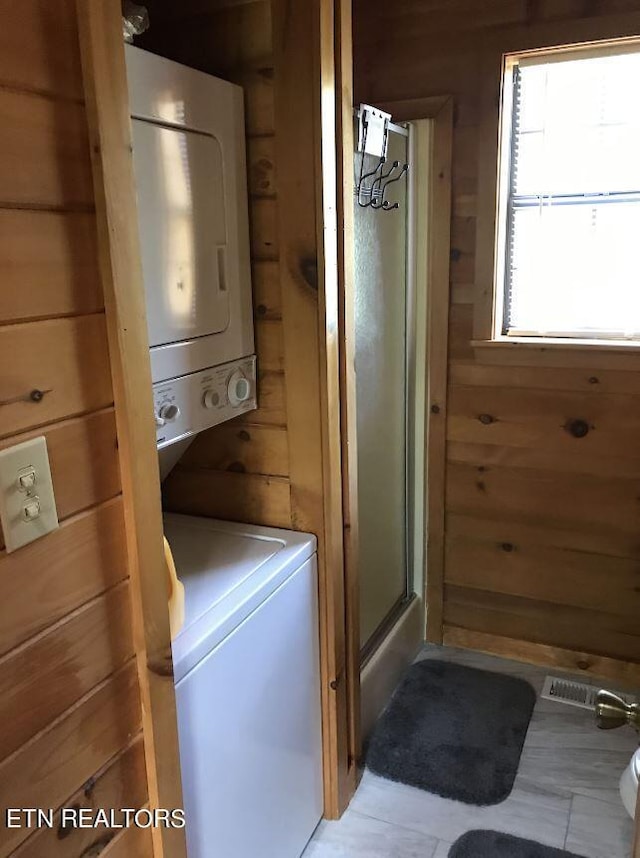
(553,343)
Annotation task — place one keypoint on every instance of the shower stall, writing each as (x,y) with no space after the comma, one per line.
(381,308)
(390,379)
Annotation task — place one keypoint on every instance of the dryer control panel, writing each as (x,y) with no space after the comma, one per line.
(186,405)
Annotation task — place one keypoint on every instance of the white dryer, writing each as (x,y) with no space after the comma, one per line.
(247,676)
(190,171)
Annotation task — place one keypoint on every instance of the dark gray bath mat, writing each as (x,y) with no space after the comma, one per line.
(492,844)
(454,731)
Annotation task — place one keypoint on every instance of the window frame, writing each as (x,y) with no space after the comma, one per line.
(493,197)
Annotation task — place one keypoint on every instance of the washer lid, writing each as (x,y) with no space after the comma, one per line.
(228,570)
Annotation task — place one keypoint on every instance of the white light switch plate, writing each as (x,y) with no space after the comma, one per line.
(15,461)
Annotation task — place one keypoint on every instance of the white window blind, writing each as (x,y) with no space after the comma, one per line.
(573,208)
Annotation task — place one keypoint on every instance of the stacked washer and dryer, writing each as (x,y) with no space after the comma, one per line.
(246,661)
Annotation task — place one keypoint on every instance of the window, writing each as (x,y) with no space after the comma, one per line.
(569,210)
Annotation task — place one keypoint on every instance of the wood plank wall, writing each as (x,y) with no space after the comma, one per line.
(542,529)
(239,471)
(69,697)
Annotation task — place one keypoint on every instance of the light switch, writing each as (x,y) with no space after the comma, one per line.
(31,509)
(27,503)
(27,480)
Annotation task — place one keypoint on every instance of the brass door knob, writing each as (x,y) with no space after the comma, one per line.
(612,711)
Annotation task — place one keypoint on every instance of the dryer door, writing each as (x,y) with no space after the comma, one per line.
(181,211)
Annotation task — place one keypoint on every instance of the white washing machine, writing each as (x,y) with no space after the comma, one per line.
(247,677)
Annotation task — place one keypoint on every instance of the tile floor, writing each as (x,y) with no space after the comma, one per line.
(565,794)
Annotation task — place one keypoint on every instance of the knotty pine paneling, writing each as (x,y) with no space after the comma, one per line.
(269,336)
(131,841)
(543,420)
(609,544)
(544,498)
(542,528)
(258,101)
(272,406)
(542,622)
(244,447)
(45,152)
(47,579)
(251,498)
(261,166)
(46,771)
(30,58)
(70,700)
(61,278)
(540,459)
(267,299)
(572,379)
(121,783)
(263,226)
(623,673)
(559,575)
(45,677)
(68,359)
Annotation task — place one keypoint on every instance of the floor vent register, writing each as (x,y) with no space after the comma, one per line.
(574,693)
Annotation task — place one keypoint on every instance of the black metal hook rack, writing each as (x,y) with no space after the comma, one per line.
(373,138)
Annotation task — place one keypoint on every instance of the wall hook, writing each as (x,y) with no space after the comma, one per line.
(362,189)
(377,188)
(373,139)
(386,205)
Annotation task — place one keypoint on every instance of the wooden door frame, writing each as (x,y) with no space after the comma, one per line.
(308,227)
(109,126)
(346,327)
(439,109)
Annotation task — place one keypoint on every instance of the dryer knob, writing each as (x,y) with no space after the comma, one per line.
(168,413)
(239,388)
(211,398)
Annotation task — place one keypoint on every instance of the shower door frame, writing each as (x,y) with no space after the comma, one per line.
(438,109)
(400,604)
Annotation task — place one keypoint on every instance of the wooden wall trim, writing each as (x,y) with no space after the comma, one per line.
(487,311)
(437,365)
(406,109)
(106,95)
(488,166)
(305,151)
(327,239)
(347,340)
(624,672)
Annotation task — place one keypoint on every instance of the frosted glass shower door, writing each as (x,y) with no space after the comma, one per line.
(381,395)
